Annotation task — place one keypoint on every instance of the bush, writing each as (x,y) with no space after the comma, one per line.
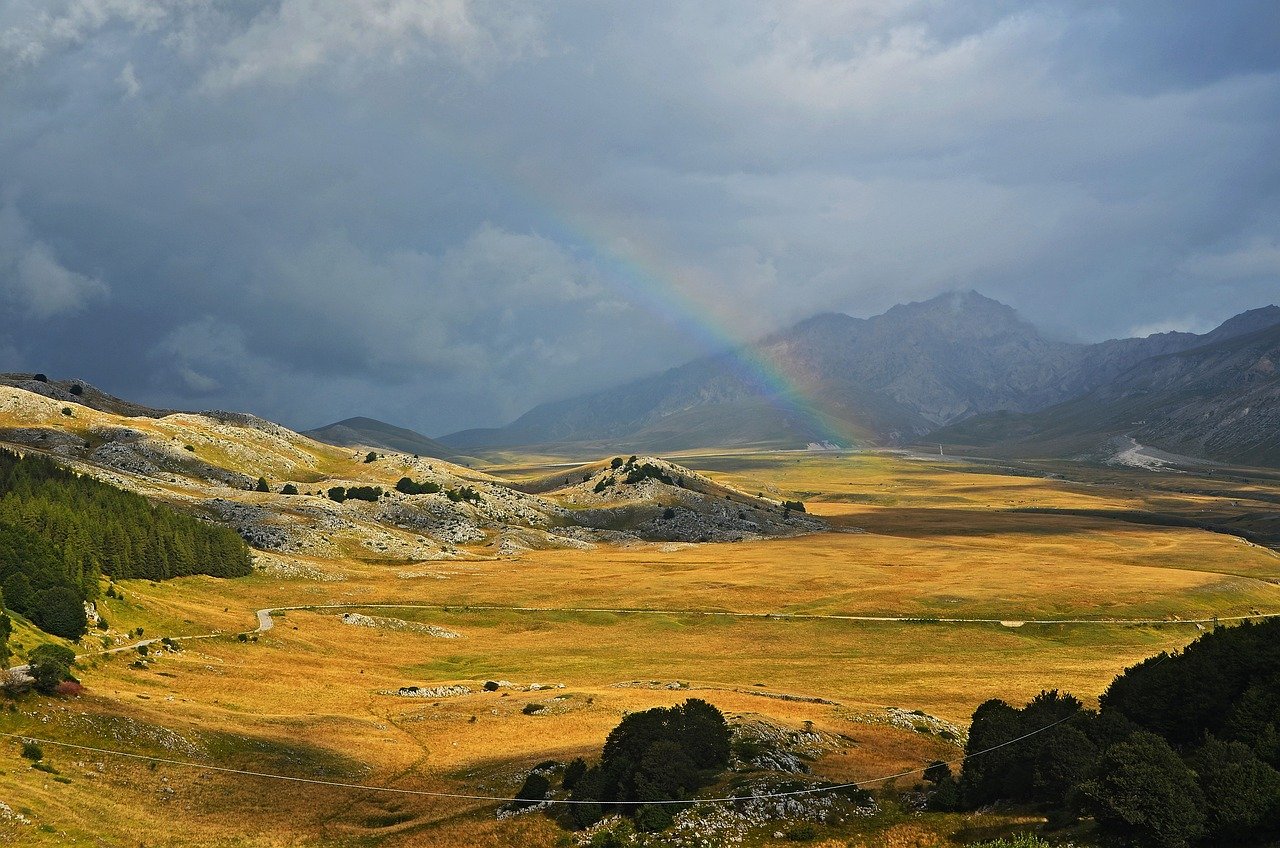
(68,689)
(802,833)
(262,485)
(668,514)
(76,389)
(338,494)
(289,489)
(40,378)
(532,709)
(370,457)
(32,751)
(792,506)
(491,686)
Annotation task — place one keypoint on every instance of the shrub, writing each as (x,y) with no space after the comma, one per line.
(289,489)
(533,708)
(66,410)
(370,457)
(802,833)
(668,514)
(76,389)
(32,751)
(616,464)
(68,689)
(40,378)
(338,494)
(262,485)
(792,506)
(491,686)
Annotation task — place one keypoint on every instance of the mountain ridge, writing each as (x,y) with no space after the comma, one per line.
(884,380)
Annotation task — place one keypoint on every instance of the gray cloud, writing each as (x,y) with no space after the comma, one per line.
(442,213)
(31,277)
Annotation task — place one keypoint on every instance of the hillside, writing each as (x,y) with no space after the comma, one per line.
(1220,401)
(883,380)
(214,465)
(370,432)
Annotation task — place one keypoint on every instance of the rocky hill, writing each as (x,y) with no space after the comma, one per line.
(883,380)
(323,502)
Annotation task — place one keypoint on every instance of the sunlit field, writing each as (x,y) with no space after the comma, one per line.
(1054,600)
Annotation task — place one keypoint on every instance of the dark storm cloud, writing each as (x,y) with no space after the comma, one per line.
(443,212)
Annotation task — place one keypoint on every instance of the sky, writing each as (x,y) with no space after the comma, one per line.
(443,213)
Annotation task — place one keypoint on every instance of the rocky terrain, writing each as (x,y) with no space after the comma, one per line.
(212,463)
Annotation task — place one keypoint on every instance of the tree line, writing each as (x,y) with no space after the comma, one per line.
(61,532)
(1183,750)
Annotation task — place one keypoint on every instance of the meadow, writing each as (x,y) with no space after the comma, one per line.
(739,624)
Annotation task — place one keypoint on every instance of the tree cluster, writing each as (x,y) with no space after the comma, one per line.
(355,493)
(1184,750)
(408,486)
(59,532)
(662,754)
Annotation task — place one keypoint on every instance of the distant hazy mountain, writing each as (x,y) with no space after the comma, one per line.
(882,380)
(1219,400)
(370,432)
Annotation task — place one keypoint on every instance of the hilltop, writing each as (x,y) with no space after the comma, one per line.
(323,501)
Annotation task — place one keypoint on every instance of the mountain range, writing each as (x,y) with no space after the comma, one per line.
(959,367)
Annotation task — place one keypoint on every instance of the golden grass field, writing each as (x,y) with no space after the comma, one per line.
(924,538)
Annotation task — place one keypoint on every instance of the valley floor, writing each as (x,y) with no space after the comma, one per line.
(832,628)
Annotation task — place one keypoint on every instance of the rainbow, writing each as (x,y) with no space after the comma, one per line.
(643,276)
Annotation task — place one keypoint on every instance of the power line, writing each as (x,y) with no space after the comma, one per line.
(501,799)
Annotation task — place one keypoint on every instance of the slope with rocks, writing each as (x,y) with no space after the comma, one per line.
(210,463)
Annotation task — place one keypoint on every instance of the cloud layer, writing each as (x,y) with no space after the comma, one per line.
(444,212)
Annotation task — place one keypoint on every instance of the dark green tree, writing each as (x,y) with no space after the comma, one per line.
(50,665)
(1144,793)
(1242,793)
